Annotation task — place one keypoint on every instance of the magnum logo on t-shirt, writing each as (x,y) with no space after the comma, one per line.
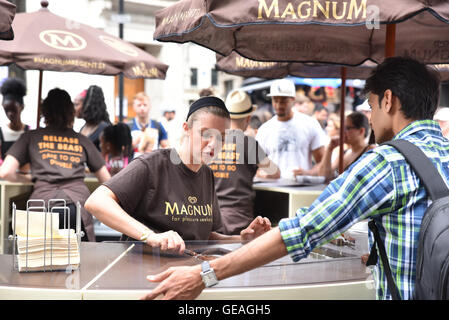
(161,192)
(60,151)
(189,212)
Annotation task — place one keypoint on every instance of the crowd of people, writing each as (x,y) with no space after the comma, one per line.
(156,175)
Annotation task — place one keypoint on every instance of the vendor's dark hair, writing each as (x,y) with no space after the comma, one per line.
(13,89)
(58,109)
(94,107)
(412,82)
(120,136)
(359,120)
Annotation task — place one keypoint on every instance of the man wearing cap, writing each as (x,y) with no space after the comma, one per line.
(168,196)
(237,163)
(290,139)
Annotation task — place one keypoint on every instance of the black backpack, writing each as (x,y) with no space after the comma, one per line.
(432,264)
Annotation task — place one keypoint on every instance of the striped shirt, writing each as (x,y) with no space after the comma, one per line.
(379,186)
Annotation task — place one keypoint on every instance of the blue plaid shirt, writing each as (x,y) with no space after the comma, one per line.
(381,186)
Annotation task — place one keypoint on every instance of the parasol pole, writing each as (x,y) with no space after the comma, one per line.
(390,39)
(120,77)
(342,118)
(39,99)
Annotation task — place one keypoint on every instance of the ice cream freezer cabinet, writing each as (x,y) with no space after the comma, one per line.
(118,270)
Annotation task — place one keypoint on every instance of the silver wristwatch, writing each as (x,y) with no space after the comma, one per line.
(208,275)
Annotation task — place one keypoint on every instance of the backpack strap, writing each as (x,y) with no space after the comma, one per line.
(424,168)
(435,186)
(372,260)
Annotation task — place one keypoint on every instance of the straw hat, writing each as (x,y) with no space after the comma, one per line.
(239,104)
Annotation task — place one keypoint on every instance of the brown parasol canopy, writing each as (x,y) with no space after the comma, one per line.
(45,41)
(7,12)
(240,66)
(346,32)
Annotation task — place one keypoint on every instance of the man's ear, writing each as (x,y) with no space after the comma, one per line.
(387,101)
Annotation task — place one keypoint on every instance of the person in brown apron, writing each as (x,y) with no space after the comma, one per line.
(168,196)
(57,156)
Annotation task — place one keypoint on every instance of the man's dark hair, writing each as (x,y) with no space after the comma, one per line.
(416,85)
(94,107)
(58,109)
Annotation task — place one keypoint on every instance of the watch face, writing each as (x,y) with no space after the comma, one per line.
(209,278)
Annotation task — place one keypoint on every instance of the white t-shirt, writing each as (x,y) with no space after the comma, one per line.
(289,144)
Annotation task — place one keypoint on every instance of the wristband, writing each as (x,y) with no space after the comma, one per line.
(145,235)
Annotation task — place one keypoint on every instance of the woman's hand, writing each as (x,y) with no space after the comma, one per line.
(167,241)
(256,228)
(335,142)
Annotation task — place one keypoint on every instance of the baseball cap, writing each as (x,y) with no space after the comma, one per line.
(239,104)
(282,88)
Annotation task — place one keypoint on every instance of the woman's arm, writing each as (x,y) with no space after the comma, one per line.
(103,204)
(102,174)
(8,171)
(326,168)
(256,228)
(268,169)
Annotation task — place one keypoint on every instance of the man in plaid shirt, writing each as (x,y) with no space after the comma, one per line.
(403,96)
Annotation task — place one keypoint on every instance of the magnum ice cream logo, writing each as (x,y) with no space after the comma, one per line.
(142,71)
(191,209)
(120,46)
(192,200)
(338,10)
(437,50)
(63,40)
(244,63)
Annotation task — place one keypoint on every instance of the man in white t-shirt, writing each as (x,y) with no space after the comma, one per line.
(290,139)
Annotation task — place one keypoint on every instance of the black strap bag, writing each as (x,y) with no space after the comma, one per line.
(432,264)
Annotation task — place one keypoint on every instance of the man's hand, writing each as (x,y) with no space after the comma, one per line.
(169,240)
(177,283)
(256,228)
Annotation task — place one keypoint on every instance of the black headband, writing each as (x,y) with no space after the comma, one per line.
(207,102)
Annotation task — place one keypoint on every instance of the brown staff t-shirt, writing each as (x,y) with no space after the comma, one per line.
(158,190)
(56,155)
(57,160)
(234,170)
